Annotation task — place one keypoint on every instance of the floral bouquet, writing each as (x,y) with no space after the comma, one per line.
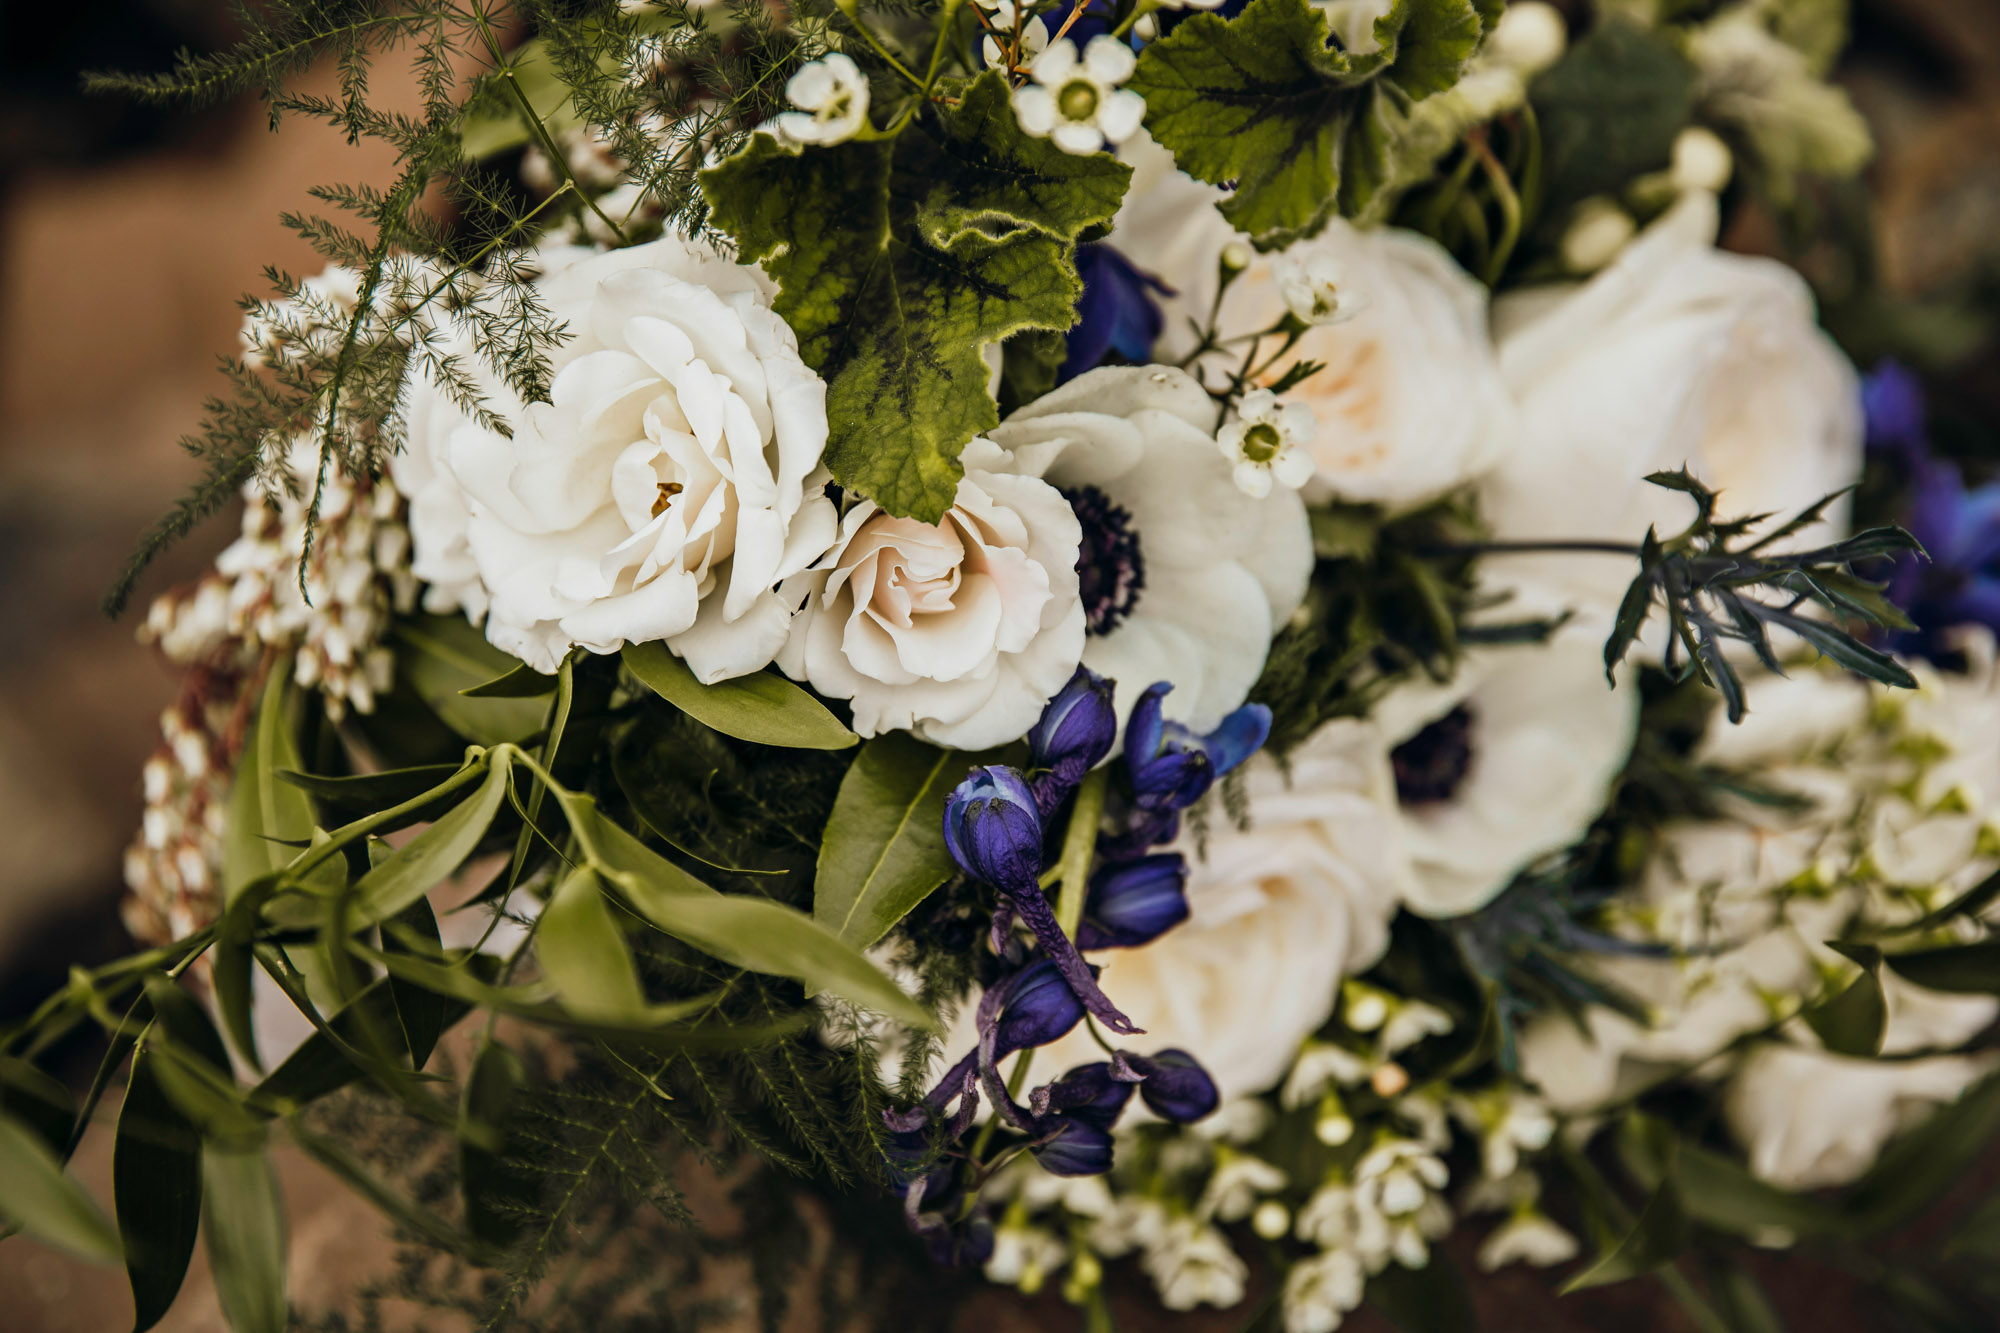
(1154,652)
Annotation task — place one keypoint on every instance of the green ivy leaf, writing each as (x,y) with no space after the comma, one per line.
(883,851)
(899,259)
(38,1198)
(156,1182)
(763,706)
(1302,128)
(243,1219)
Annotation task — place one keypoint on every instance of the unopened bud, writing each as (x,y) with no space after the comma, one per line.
(1389,1080)
(1701,160)
(1596,234)
(1271,1220)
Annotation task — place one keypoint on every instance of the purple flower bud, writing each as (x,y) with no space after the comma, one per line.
(1172,767)
(994,830)
(1892,400)
(1177,1088)
(1134,902)
(1074,1148)
(1040,1006)
(1092,1093)
(1075,732)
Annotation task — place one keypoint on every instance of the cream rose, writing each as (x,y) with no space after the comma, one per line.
(1676,354)
(958,630)
(665,490)
(1304,895)
(1184,578)
(1410,320)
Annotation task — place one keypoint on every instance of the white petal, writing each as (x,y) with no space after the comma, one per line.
(1109,60)
(1035,109)
(1119,114)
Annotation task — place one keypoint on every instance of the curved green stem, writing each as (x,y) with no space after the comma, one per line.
(1079,845)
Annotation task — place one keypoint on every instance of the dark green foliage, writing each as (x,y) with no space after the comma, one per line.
(1609,111)
(1384,606)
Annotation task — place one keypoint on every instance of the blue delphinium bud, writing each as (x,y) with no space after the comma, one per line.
(1092,1093)
(1172,767)
(1892,401)
(1177,1088)
(1074,1148)
(1075,732)
(993,829)
(1134,902)
(1040,1006)
(1119,312)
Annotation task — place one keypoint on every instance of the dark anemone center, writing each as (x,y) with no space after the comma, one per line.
(1110,571)
(1431,765)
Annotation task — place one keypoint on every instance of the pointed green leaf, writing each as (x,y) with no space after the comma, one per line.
(38,1198)
(1847,650)
(319,1066)
(372,791)
(440,656)
(1655,1240)
(243,1222)
(752,933)
(898,260)
(492,1190)
(192,1066)
(523,682)
(427,860)
(232,962)
(37,1100)
(1961,969)
(264,813)
(1303,129)
(422,1014)
(883,851)
(763,706)
(1853,1022)
(156,1181)
(583,953)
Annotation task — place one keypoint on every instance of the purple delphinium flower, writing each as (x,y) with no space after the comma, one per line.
(1119,312)
(1169,767)
(993,829)
(1076,730)
(1134,902)
(1892,400)
(1175,1086)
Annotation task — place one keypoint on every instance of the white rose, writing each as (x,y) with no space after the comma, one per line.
(1509,761)
(1677,353)
(669,485)
(1306,892)
(959,630)
(1184,578)
(1810,1120)
(1387,433)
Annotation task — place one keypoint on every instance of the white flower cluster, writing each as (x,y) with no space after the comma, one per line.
(357,578)
(174,867)
(1897,816)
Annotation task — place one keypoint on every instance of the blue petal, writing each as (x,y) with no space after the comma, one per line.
(1177,1088)
(1135,902)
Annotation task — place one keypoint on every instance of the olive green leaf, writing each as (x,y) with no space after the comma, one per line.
(243,1221)
(1302,128)
(38,1198)
(883,851)
(898,259)
(439,657)
(264,813)
(156,1181)
(763,706)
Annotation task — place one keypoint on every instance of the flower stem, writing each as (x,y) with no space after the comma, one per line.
(1079,844)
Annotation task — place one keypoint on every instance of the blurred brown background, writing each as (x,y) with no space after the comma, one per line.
(126,235)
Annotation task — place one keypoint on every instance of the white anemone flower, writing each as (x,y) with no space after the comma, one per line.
(1076,100)
(832,95)
(1266,441)
(1508,762)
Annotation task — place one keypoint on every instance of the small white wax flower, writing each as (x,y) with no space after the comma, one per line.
(1034,35)
(1527,1237)
(1266,440)
(1321,1290)
(1701,160)
(1530,37)
(832,95)
(1240,1180)
(1410,1022)
(1596,235)
(1312,287)
(1076,100)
